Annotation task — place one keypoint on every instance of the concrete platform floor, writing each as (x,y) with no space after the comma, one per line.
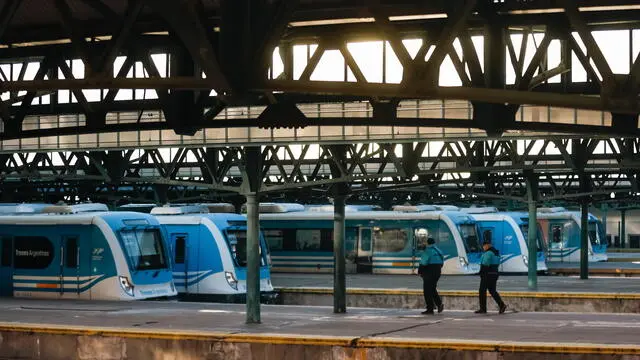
(358,323)
(594,267)
(462,283)
(624,257)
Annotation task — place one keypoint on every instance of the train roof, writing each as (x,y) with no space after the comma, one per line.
(179,210)
(371,215)
(330,208)
(568,214)
(480,210)
(127,218)
(425,207)
(22,208)
(220,219)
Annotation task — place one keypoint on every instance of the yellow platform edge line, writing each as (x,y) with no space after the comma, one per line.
(461,293)
(317,340)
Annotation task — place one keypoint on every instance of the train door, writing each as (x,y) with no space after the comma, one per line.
(6,266)
(70,265)
(556,242)
(420,236)
(490,233)
(364,259)
(180,271)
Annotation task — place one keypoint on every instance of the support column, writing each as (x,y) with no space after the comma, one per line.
(339,266)
(252,180)
(584,240)
(623,228)
(253,261)
(532,236)
(605,209)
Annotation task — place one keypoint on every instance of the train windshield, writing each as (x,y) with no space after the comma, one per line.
(237,240)
(470,238)
(525,233)
(144,249)
(594,235)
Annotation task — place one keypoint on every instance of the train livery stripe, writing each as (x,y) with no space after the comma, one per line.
(46,283)
(191,278)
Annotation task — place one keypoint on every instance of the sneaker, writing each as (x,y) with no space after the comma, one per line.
(440,308)
(480,312)
(427,312)
(503,308)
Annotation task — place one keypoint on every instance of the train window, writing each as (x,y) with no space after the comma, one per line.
(32,252)
(144,249)
(487,235)
(6,251)
(470,237)
(308,239)
(389,240)
(71,252)
(444,236)
(421,235)
(593,233)
(180,249)
(556,236)
(275,238)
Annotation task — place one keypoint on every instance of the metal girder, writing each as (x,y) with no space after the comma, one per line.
(102,8)
(593,50)
(338,88)
(273,32)
(503,167)
(185,22)
(459,93)
(199,33)
(7,13)
(115,45)
(73,31)
(447,35)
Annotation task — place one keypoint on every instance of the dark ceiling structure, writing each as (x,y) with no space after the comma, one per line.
(227,46)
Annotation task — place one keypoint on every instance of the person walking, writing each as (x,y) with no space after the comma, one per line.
(489,263)
(430,267)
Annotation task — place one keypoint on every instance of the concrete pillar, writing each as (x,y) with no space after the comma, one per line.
(532,237)
(584,240)
(605,209)
(339,266)
(253,261)
(623,228)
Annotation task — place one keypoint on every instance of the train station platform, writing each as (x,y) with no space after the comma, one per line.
(555,293)
(619,265)
(37,329)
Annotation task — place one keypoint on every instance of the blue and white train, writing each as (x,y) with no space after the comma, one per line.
(209,253)
(508,233)
(380,242)
(562,235)
(84,252)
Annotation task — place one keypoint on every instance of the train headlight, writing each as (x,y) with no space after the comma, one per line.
(231,280)
(463,261)
(269,259)
(526,260)
(126,285)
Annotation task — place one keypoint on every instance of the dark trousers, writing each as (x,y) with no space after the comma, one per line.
(429,287)
(488,282)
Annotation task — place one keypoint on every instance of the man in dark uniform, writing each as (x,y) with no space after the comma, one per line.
(430,267)
(489,263)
